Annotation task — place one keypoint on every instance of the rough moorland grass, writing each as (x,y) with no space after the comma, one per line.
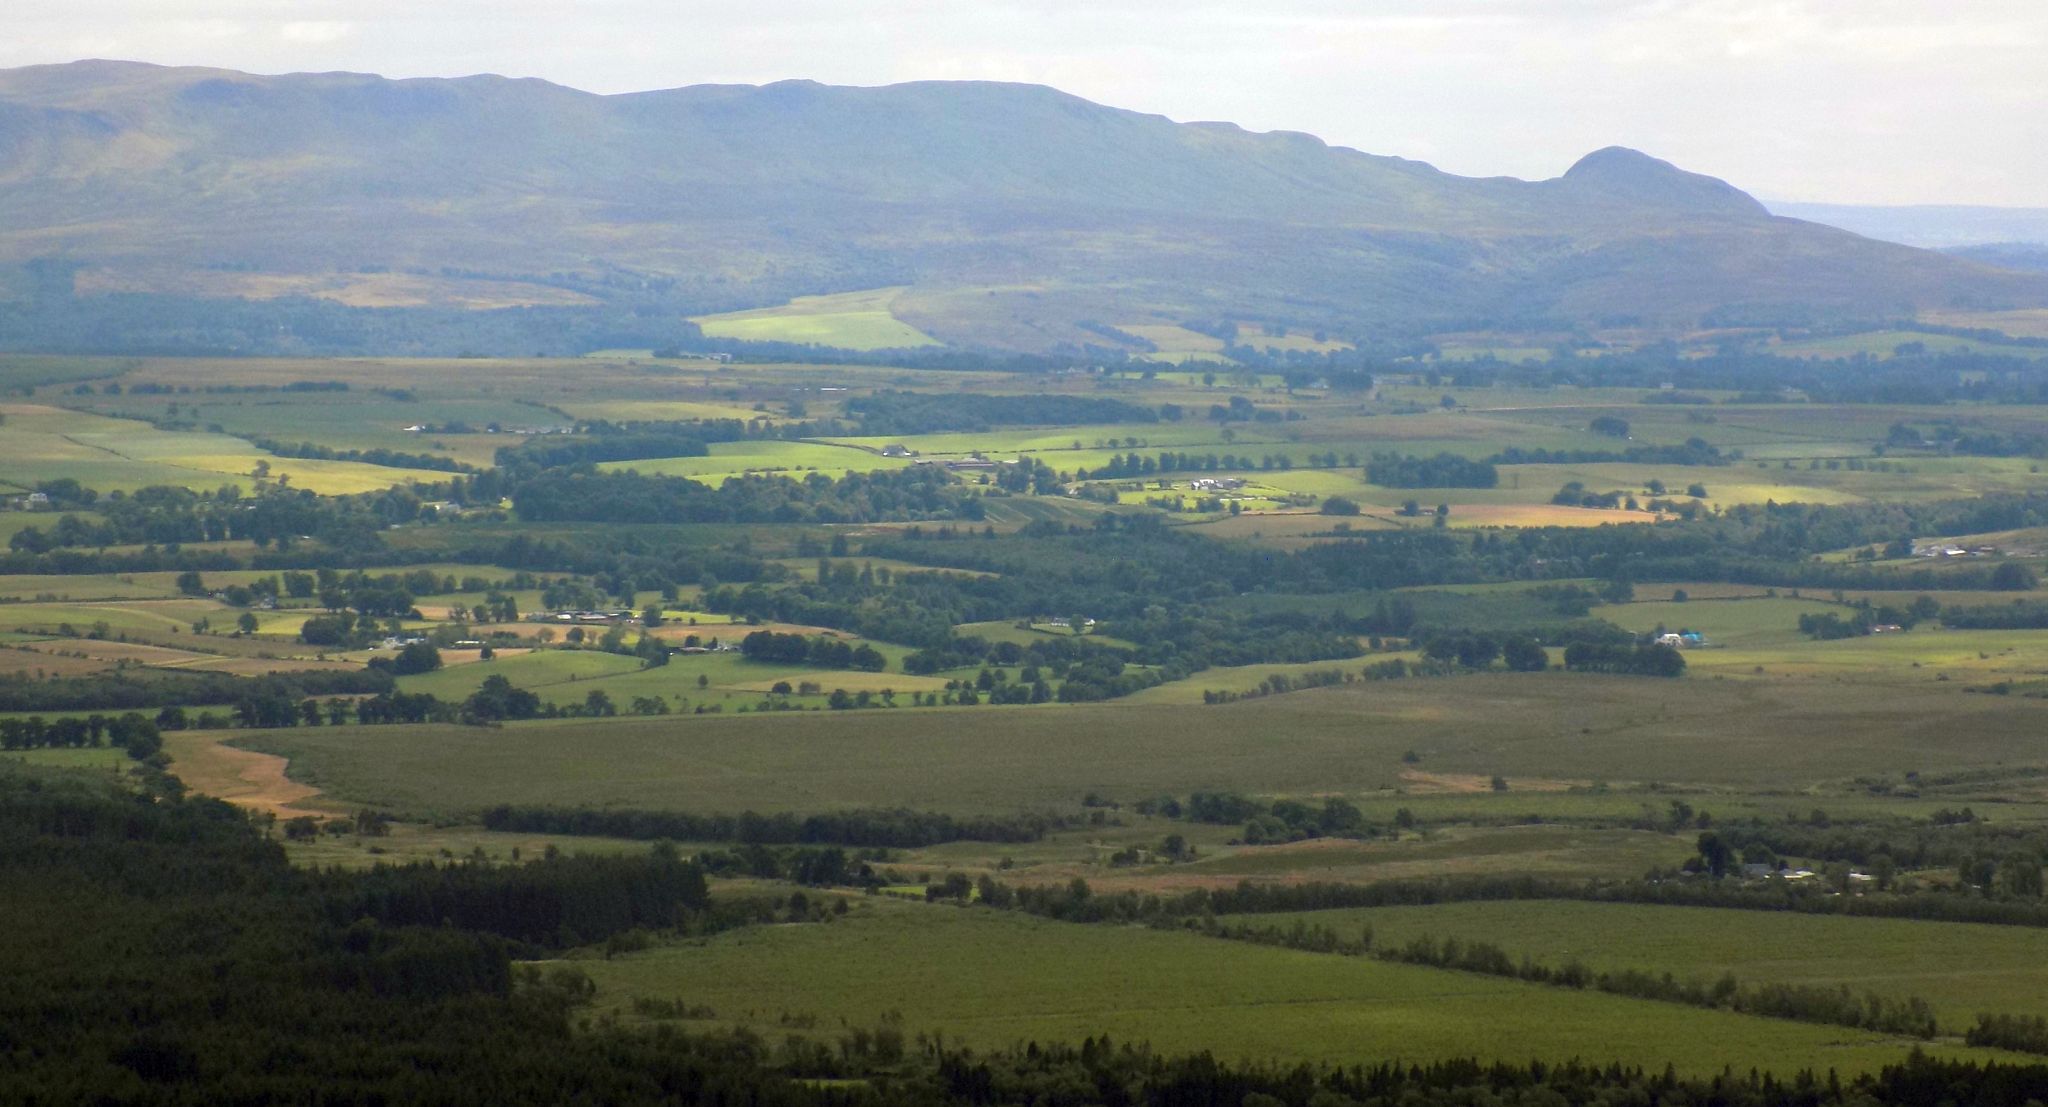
(992,979)
(1790,735)
(1961,968)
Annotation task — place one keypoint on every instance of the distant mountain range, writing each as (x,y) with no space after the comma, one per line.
(1015,216)
(1934,226)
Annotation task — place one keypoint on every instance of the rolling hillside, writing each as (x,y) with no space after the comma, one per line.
(1008,214)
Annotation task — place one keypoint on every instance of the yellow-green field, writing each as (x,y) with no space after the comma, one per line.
(848,320)
(46,443)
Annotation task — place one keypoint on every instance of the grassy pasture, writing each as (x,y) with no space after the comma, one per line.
(1556,851)
(355,419)
(409,842)
(145,616)
(653,410)
(1284,529)
(46,443)
(31,370)
(992,980)
(566,677)
(733,458)
(1066,447)
(1925,654)
(1237,678)
(1880,344)
(89,586)
(1961,968)
(104,759)
(2023,323)
(1526,484)
(848,320)
(1770,621)
(32,663)
(1350,740)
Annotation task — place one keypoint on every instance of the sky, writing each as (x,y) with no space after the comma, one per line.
(1844,101)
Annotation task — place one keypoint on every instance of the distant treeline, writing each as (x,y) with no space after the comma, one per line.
(1695,451)
(551,451)
(1911,376)
(393,459)
(892,828)
(1445,470)
(584,495)
(2018,615)
(908,413)
(1074,903)
(171,687)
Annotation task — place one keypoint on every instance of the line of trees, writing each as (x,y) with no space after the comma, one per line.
(1445,470)
(895,828)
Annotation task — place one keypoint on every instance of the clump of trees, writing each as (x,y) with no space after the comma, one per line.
(1643,659)
(822,651)
(1445,470)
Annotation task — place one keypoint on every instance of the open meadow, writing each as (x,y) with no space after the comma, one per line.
(990,979)
(1960,968)
(1350,740)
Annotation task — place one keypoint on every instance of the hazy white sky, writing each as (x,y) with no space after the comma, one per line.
(1854,101)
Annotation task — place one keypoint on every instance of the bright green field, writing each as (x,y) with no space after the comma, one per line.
(730,458)
(994,979)
(1962,969)
(146,616)
(848,320)
(1792,735)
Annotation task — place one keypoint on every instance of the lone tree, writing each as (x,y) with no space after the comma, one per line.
(1714,852)
(420,657)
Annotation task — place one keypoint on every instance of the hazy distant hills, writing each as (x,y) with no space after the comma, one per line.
(1011,212)
(1935,226)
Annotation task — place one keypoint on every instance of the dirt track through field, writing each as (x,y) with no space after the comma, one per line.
(245,778)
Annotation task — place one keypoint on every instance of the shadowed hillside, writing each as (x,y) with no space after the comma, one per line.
(1010,213)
